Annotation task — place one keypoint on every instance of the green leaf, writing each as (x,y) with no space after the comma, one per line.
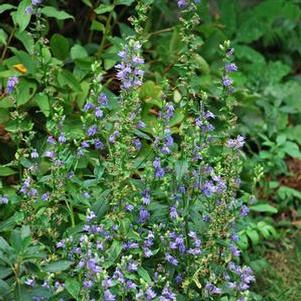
(30,62)
(124,2)
(12,221)
(66,78)
(243,242)
(181,167)
(264,207)
(6,171)
(4,288)
(292,149)
(26,91)
(43,102)
(253,235)
(58,266)
(52,12)
(26,39)
(73,287)
(5,7)
(59,46)
(20,18)
(78,52)
(101,205)
(3,36)
(248,32)
(113,253)
(144,275)
(103,8)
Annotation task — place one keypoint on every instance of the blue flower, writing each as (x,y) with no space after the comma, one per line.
(11,83)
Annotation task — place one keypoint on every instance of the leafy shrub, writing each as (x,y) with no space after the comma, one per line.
(121,154)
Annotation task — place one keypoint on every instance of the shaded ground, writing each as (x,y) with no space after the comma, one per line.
(281,280)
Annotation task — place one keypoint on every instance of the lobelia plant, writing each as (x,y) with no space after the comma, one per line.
(157,219)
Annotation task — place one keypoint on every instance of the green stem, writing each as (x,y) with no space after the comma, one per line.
(71,213)
(104,38)
(6,45)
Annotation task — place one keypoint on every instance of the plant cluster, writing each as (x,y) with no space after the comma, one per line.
(122,131)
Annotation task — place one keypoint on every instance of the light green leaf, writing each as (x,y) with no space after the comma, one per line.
(113,253)
(26,39)
(181,167)
(264,207)
(11,222)
(58,266)
(43,102)
(73,287)
(3,36)
(20,18)
(124,2)
(253,235)
(66,78)
(25,92)
(6,171)
(59,46)
(144,275)
(103,8)
(78,52)
(52,12)
(5,7)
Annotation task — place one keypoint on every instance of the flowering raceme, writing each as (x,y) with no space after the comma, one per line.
(162,197)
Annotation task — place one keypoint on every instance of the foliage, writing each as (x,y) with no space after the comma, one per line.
(120,149)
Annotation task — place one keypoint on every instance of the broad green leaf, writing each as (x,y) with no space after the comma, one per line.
(66,78)
(26,39)
(4,288)
(30,62)
(253,235)
(26,91)
(101,205)
(144,275)
(113,253)
(6,171)
(5,7)
(78,52)
(11,222)
(59,46)
(73,287)
(243,242)
(124,2)
(57,266)
(20,17)
(52,12)
(3,36)
(42,101)
(181,167)
(104,8)
(292,149)
(264,208)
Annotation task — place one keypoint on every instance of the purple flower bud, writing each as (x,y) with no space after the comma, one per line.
(3,199)
(11,83)
(88,106)
(34,154)
(62,139)
(51,140)
(227,82)
(98,112)
(143,215)
(98,144)
(244,211)
(103,100)
(92,130)
(230,67)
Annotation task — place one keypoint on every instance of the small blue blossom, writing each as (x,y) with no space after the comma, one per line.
(11,83)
